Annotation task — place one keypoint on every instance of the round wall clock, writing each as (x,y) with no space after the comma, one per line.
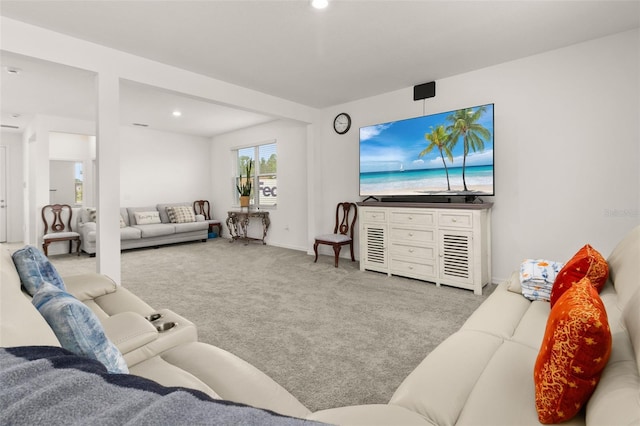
(342,123)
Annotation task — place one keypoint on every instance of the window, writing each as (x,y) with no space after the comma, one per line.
(263,174)
(79,185)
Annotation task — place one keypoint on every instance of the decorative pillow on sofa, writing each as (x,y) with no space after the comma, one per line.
(34,268)
(181,214)
(575,349)
(587,262)
(123,224)
(77,327)
(147,218)
(92,215)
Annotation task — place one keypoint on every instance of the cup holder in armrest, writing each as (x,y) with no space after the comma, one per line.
(165,326)
(153,317)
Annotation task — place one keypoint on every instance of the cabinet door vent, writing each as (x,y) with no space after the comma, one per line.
(455,255)
(375,245)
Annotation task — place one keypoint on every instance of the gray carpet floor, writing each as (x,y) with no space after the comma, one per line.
(331,336)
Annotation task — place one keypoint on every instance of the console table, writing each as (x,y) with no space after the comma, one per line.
(238,224)
(444,243)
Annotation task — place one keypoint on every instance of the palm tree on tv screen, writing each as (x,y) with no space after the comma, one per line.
(439,138)
(464,123)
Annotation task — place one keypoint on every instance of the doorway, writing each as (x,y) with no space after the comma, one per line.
(3,194)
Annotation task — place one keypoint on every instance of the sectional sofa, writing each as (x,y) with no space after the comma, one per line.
(148,226)
(481,375)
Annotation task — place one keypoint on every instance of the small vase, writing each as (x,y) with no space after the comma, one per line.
(244,201)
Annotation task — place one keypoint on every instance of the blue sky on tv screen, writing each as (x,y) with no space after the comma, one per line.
(396,145)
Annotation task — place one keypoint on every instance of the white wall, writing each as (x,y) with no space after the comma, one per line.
(566,147)
(289,218)
(76,148)
(161,167)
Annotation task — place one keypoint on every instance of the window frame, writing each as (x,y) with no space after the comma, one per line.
(255,174)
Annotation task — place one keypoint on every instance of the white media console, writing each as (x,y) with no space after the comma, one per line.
(444,243)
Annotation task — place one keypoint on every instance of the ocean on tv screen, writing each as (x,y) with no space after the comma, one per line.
(449,153)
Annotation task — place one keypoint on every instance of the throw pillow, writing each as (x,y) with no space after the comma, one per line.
(575,349)
(587,262)
(77,327)
(181,214)
(147,218)
(34,268)
(92,214)
(123,224)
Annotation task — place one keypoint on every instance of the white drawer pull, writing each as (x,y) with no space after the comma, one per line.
(454,220)
(410,250)
(411,234)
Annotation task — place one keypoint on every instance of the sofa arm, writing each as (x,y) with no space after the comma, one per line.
(89,286)
(86,227)
(129,331)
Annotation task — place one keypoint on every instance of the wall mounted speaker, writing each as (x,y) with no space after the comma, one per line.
(425,90)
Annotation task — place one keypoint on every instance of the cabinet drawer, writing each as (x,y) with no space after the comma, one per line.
(427,253)
(374,216)
(456,219)
(423,270)
(409,235)
(413,218)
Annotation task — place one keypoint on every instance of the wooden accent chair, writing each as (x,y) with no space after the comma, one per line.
(204,208)
(57,227)
(342,232)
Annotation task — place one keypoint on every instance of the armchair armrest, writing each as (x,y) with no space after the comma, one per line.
(129,331)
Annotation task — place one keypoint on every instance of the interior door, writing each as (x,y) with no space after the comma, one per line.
(3,194)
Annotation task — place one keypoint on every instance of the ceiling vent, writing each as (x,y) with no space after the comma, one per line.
(7,126)
(140,124)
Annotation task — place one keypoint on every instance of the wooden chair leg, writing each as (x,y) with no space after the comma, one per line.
(353,257)
(336,250)
(315,249)
(78,248)
(45,248)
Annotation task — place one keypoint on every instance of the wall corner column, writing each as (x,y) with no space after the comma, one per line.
(108,175)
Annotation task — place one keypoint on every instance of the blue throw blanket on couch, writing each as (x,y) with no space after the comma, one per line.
(49,385)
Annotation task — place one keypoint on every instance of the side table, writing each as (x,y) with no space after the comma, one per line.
(238,224)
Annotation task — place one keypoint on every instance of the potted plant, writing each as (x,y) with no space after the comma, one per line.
(244,185)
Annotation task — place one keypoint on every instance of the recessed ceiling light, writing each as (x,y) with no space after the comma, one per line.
(176,113)
(319,4)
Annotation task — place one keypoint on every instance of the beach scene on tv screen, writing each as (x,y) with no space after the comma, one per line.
(449,153)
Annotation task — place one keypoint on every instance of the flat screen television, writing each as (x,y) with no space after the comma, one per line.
(440,155)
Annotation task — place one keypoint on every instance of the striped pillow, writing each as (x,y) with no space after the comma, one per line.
(181,214)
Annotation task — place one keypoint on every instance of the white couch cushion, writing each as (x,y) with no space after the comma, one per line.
(233,378)
(156,230)
(439,387)
(369,415)
(624,266)
(500,314)
(130,233)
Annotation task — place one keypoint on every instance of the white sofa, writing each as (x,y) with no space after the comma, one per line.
(481,375)
(171,358)
(134,235)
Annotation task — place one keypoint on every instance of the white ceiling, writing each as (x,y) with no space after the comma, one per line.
(351,50)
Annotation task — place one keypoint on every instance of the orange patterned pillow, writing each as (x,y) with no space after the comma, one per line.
(587,262)
(575,348)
